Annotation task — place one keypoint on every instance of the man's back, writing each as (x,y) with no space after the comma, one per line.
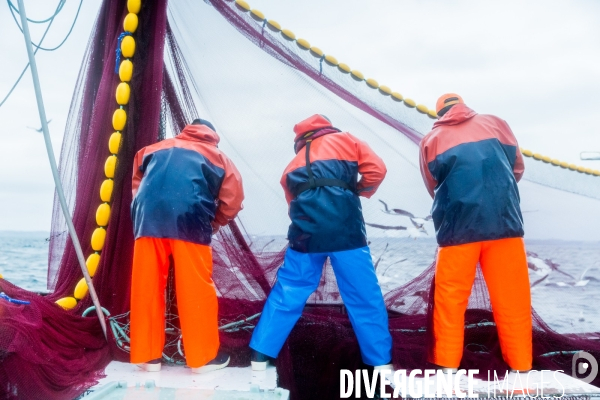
(471,164)
(179,186)
(329,218)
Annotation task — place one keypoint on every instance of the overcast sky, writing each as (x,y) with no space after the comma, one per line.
(536,64)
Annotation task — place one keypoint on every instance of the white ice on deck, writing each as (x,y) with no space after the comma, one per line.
(179,377)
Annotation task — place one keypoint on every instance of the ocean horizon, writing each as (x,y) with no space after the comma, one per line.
(566,299)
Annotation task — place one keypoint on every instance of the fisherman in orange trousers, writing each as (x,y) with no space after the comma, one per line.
(471,164)
(184,189)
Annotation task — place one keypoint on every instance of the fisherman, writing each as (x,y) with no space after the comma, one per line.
(184,190)
(471,164)
(322,189)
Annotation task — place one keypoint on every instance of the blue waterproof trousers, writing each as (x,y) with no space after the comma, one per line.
(299,277)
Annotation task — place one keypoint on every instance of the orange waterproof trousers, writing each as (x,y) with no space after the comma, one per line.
(196,300)
(504,266)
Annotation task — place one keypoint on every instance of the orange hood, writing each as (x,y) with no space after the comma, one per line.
(199,133)
(457,114)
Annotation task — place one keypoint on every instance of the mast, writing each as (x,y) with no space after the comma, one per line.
(53,167)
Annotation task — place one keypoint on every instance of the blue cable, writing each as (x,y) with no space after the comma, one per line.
(118,50)
(11,300)
(59,9)
(51,19)
(37,46)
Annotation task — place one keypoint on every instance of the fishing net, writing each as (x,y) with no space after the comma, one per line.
(217,61)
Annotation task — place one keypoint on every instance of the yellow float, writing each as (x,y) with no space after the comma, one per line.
(128,47)
(315,51)
(422,109)
(92,263)
(385,90)
(303,44)
(98,238)
(372,83)
(344,68)
(410,103)
(273,25)
(397,96)
(134,6)
(114,143)
(81,289)
(257,15)
(242,5)
(119,119)
(106,190)
(103,214)
(67,302)
(109,166)
(357,75)
(125,70)
(331,60)
(122,93)
(288,35)
(130,23)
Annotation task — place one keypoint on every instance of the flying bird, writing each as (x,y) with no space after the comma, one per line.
(544,266)
(41,128)
(386,227)
(417,222)
(539,281)
(582,281)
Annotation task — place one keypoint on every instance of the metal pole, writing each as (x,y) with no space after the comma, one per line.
(53,167)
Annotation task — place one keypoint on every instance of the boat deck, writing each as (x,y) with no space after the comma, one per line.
(126,381)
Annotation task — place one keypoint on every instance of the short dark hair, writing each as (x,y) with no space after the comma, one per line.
(200,121)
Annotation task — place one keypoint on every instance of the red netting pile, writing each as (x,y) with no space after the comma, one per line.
(47,352)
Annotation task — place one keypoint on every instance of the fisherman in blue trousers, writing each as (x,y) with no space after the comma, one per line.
(322,189)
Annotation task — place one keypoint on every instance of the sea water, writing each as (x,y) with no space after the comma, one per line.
(566,303)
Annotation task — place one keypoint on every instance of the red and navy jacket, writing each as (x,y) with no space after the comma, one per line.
(471,164)
(328,217)
(184,186)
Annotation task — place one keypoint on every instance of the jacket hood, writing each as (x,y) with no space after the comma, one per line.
(199,133)
(311,124)
(457,114)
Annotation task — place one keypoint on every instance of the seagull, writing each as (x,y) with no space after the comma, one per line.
(539,281)
(381,256)
(417,222)
(559,284)
(582,281)
(386,227)
(543,266)
(40,129)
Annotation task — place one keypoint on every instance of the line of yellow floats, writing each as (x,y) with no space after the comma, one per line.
(119,120)
(287,34)
(332,61)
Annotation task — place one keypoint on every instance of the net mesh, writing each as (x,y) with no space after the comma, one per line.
(215,61)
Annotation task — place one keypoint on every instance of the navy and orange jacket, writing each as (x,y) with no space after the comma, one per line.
(329,218)
(471,164)
(184,186)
